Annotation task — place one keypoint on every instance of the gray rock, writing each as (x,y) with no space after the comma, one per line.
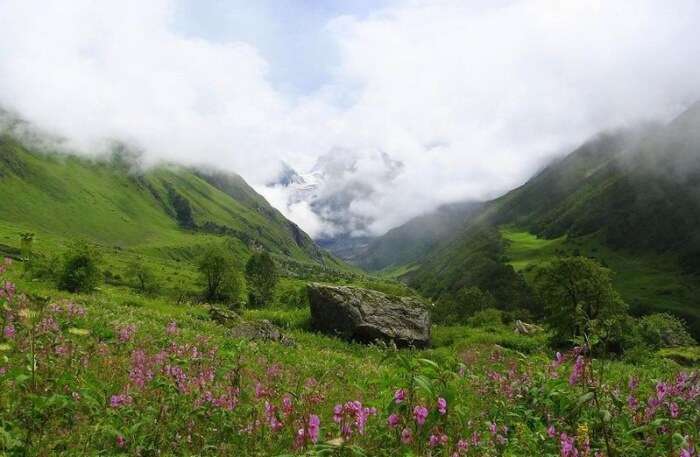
(263,330)
(367,316)
(223,316)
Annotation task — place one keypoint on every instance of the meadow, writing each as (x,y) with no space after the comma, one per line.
(113,373)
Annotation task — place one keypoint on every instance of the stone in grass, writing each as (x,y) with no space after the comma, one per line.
(367,316)
(262,330)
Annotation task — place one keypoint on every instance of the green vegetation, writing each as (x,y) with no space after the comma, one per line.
(261,277)
(222,282)
(579,300)
(80,272)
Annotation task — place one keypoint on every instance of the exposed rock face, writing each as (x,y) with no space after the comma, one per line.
(523,328)
(263,330)
(365,315)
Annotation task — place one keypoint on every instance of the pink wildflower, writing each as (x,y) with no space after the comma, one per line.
(674,410)
(399,396)
(420,413)
(121,442)
(126,333)
(406,436)
(9,331)
(551,431)
(577,370)
(393,421)
(314,427)
(442,406)
(661,390)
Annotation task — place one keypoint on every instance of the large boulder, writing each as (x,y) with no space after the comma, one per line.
(367,316)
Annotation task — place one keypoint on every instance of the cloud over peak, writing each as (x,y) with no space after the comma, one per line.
(468,97)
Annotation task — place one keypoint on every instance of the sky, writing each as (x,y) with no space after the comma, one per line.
(397,105)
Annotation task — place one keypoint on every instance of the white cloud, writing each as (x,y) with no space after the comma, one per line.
(471,97)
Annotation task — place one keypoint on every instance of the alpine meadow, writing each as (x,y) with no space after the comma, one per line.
(434,228)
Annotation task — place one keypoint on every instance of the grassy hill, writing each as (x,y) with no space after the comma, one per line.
(630,199)
(163,215)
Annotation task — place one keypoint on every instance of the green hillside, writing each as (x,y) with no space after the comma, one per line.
(166,214)
(630,199)
(411,241)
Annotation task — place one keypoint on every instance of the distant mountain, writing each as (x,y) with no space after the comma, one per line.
(333,184)
(113,202)
(405,244)
(629,198)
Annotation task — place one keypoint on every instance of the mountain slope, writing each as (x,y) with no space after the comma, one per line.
(629,198)
(107,202)
(411,241)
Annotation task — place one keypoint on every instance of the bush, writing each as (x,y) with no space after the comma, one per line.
(143,278)
(487,318)
(42,267)
(663,330)
(222,282)
(579,299)
(457,309)
(80,271)
(261,276)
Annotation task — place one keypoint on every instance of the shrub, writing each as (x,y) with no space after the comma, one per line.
(487,317)
(80,271)
(142,276)
(663,330)
(457,309)
(261,277)
(579,300)
(43,267)
(222,282)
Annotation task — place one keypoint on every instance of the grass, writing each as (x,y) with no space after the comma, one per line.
(647,282)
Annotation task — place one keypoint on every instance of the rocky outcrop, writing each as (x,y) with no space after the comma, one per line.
(263,330)
(367,316)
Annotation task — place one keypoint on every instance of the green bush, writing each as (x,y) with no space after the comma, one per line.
(487,318)
(261,276)
(663,330)
(80,271)
(142,277)
(222,281)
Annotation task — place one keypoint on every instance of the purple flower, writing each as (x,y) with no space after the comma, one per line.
(442,406)
(661,390)
(632,402)
(314,427)
(551,431)
(567,446)
(126,333)
(406,436)
(121,442)
(420,413)
(674,409)
(117,401)
(393,420)
(9,331)
(399,396)
(577,370)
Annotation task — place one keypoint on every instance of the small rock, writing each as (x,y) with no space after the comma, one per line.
(263,330)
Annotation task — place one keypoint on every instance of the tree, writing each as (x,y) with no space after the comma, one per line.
(80,271)
(144,279)
(579,300)
(457,308)
(222,282)
(261,276)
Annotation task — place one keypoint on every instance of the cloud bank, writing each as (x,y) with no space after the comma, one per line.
(470,98)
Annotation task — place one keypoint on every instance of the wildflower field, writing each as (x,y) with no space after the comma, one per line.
(85,376)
